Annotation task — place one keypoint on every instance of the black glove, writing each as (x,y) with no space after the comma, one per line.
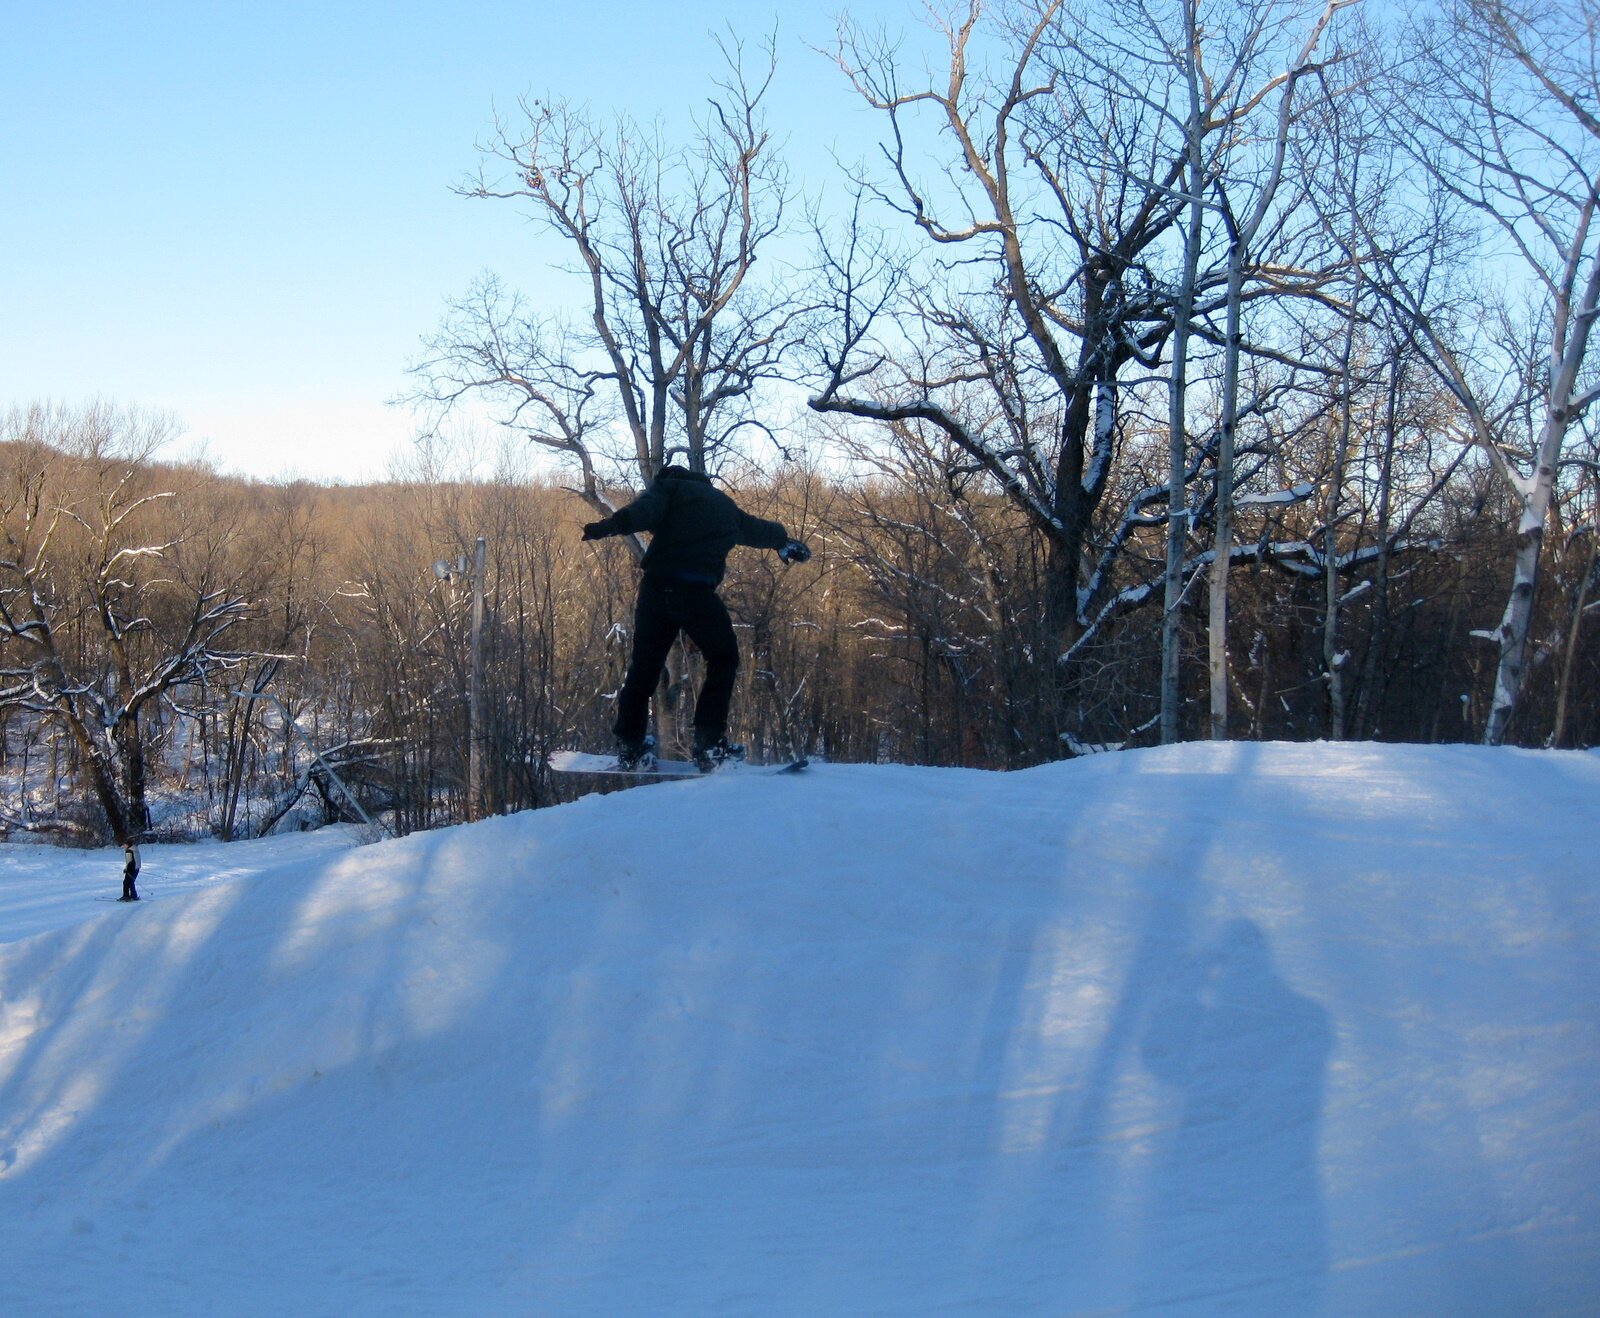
(597,530)
(794,551)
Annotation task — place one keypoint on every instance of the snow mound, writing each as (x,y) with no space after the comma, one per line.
(1215,1029)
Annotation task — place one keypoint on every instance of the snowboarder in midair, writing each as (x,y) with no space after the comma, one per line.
(693,528)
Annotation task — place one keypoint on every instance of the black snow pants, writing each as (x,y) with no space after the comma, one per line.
(668,605)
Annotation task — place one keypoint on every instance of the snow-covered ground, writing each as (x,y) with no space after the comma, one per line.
(1236,1028)
(44,887)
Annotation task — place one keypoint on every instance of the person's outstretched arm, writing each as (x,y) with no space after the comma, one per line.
(643,514)
(759,533)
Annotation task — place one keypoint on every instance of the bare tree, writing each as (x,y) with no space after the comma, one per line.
(1246,203)
(679,333)
(283,548)
(1498,107)
(110,597)
(1068,227)
(1036,298)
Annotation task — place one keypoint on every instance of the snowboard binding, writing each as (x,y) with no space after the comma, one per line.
(710,755)
(637,756)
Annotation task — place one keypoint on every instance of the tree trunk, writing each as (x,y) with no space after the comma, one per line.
(1514,624)
(1177,439)
(1217,623)
(103,777)
(1378,634)
(1570,650)
(1513,630)
(239,719)
(1333,656)
(131,744)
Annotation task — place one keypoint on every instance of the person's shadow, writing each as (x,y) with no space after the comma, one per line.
(1235,1200)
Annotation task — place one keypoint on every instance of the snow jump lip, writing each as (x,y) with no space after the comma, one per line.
(584,763)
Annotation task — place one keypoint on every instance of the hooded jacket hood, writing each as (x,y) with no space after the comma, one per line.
(674,472)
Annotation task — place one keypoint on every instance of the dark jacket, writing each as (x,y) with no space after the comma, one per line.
(693,526)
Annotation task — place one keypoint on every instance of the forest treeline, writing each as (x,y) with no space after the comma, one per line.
(1170,370)
(145,603)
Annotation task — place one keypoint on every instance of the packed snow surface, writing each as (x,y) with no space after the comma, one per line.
(1214,1029)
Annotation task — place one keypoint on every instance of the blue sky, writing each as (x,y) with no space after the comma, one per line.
(243,214)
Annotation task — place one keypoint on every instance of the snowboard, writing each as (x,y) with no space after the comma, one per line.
(581,762)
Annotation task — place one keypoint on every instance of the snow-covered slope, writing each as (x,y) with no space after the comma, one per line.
(1216,1029)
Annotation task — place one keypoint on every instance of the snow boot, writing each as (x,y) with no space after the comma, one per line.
(711,753)
(636,756)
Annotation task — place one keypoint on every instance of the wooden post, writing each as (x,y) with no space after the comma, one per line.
(475,693)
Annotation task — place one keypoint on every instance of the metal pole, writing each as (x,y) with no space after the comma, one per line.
(475,693)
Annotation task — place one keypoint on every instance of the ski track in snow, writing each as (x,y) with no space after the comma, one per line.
(1216,1029)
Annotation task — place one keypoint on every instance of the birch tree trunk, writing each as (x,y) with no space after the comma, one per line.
(1334,658)
(1379,630)
(1512,633)
(1217,621)
(1571,324)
